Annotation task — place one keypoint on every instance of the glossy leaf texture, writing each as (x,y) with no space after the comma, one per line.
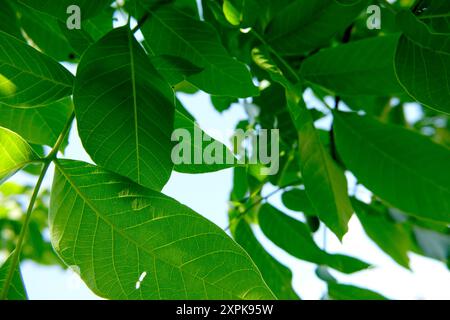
(130,242)
(422,63)
(15,153)
(295,238)
(171,32)
(16,290)
(304,25)
(404,168)
(125,110)
(361,67)
(27,77)
(325,182)
(39,124)
(277,276)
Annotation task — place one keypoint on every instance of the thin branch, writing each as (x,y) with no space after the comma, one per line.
(259,201)
(17,251)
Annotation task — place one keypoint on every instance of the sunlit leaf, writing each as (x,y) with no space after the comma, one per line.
(170,32)
(125,110)
(15,153)
(277,276)
(405,169)
(130,242)
(295,237)
(28,77)
(16,290)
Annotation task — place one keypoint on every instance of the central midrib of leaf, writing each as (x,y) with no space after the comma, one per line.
(113,227)
(133,82)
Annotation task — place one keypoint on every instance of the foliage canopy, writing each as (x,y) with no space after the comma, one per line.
(110,220)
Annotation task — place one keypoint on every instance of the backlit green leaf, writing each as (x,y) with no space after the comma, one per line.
(16,290)
(171,32)
(29,78)
(295,237)
(15,153)
(277,276)
(325,182)
(358,68)
(422,63)
(392,237)
(39,124)
(125,110)
(130,242)
(304,25)
(405,169)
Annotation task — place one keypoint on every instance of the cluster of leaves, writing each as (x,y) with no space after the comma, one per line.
(127,239)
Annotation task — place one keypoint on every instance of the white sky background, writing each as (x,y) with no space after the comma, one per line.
(208,195)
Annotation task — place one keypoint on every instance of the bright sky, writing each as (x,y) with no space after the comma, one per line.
(208,195)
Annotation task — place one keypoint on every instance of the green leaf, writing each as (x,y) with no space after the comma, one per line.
(295,237)
(39,124)
(124,110)
(196,144)
(435,13)
(28,77)
(358,68)
(16,290)
(405,169)
(241,13)
(277,276)
(325,182)
(8,19)
(130,242)
(15,153)
(92,30)
(222,103)
(392,237)
(45,33)
(170,32)
(304,25)
(58,9)
(174,69)
(297,200)
(339,291)
(422,63)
